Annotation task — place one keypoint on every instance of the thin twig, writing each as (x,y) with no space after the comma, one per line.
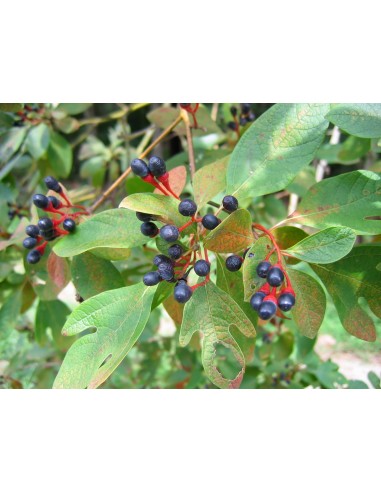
(192,160)
(123,176)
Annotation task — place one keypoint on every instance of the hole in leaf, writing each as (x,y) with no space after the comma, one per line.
(106,360)
(225,362)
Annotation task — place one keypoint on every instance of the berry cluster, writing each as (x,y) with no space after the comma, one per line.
(47,228)
(15,210)
(245,116)
(31,113)
(271,295)
(179,261)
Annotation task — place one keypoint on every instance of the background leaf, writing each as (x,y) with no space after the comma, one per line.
(73,108)
(51,314)
(60,155)
(362,120)
(309,309)
(119,317)
(9,312)
(325,246)
(232,235)
(351,200)
(213,312)
(275,148)
(356,276)
(116,228)
(37,140)
(92,275)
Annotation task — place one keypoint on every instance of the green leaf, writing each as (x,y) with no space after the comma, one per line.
(11,107)
(353,148)
(352,200)
(51,314)
(60,155)
(9,313)
(309,309)
(209,181)
(119,317)
(355,277)
(10,143)
(116,228)
(112,254)
(232,235)
(214,313)
(92,275)
(375,380)
(67,125)
(362,120)
(286,237)
(325,246)
(254,256)
(165,207)
(275,148)
(232,284)
(37,140)
(73,108)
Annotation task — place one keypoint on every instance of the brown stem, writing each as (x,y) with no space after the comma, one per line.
(123,176)
(192,160)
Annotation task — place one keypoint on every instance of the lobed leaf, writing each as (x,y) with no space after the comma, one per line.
(214,313)
(355,277)
(116,228)
(165,207)
(309,309)
(119,317)
(275,148)
(361,120)
(325,246)
(232,235)
(92,275)
(352,200)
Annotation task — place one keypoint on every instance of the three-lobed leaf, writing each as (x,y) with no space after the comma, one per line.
(326,246)
(232,235)
(352,200)
(351,279)
(275,148)
(116,228)
(119,317)
(214,313)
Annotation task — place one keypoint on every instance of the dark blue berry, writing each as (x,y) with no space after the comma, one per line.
(232,125)
(182,292)
(45,224)
(202,268)
(256,300)
(48,235)
(169,233)
(286,301)
(267,310)
(140,168)
(33,256)
(263,268)
(233,111)
(162,259)
(149,229)
(145,217)
(251,116)
(242,121)
(245,108)
(29,242)
(166,271)
(275,276)
(230,203)
(175,251)
(69,225)
(32,230)
(151,278)
(233,263)
(53,184)
(187,207)
(55,203)
(157,166)
(41,201)
(210,221)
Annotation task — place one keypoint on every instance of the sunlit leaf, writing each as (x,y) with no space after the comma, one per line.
(209,181)
(232,235)
(362,120)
